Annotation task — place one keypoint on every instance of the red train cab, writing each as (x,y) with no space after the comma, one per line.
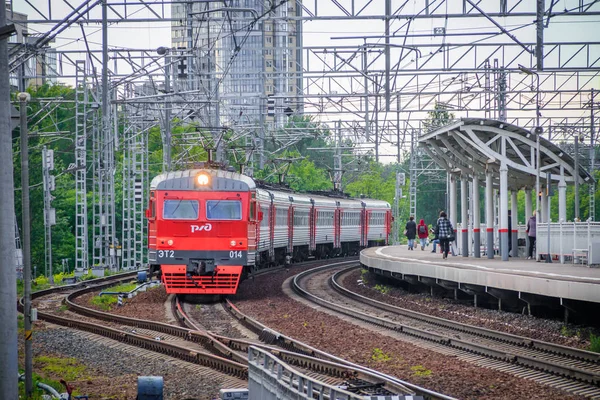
(201,226)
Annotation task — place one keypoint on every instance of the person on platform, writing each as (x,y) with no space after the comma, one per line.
(509,234)
(531,232)
(445,233)
(423,234)
(410,230)
(435,240)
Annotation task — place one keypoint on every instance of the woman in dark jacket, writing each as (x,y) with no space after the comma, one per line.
(531,232)
(410,230)
(444,231)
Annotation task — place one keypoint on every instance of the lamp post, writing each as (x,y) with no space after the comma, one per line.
(24,97)
(538,132)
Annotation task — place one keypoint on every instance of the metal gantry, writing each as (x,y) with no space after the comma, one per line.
(80,167)
(238,71)
(135,187)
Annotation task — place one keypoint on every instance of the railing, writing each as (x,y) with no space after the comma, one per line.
(270,378)
(567,240)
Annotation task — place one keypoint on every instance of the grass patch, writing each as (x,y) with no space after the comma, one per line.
(104,302)
(68,369)
(364,274)
(419,370)
(594,343)
(565,331)
(378,355)
(383,289)
(37,392)
(125,287)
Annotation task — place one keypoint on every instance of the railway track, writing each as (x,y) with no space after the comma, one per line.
(569,369)
(213,354)
(153,337)
(307,360)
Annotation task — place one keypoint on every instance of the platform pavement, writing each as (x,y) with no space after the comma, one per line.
(564,281)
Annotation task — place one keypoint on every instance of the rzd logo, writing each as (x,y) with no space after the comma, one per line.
(205,227)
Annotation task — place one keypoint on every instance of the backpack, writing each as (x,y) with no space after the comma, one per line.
(422,229)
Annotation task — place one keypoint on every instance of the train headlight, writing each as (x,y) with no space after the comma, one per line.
(232,243)
(203,179)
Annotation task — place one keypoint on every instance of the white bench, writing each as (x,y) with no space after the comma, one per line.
(580,256)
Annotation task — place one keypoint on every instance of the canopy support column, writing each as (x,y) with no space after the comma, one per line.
(503,211)
(464,215)
(476,218)
(514,241)
(489,213)
(528,211)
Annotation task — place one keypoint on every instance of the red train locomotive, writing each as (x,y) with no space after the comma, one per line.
(208,228)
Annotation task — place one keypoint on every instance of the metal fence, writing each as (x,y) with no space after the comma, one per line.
(269,378)
(569,241)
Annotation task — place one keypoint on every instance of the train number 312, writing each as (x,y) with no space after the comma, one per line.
(166,253)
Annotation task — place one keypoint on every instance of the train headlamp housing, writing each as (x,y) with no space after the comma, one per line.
(203,179)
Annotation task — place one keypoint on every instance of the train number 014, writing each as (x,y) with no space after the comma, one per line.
(235,254)
(166,253)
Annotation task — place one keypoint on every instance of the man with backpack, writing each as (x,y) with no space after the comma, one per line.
(423,233)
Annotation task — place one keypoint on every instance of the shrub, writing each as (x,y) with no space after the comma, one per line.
(66,368)
(594,343)
(364,274)
(419,370)
(378,355)
(105,302)
(382,289)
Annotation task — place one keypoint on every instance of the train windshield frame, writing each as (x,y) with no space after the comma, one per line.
(224,210)
(181,209)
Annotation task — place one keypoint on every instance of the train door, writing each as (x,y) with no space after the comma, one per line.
(272,228)
(312,223)
(388,226)
(290,222)
(337,227)
(253,226)
(364,223)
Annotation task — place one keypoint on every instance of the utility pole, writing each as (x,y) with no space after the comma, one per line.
(539,43)
(167,117)
(400,182)
(8,288)
(592,192)
(577,137)
(26,243)
(49,212)
(337,158)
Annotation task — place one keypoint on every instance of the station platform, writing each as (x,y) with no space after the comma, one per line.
(515,281)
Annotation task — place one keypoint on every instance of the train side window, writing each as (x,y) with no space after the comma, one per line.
(224,210)
(252,210)
(180,209)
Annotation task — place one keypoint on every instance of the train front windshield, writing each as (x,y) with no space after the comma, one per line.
(180,209)
(224,210)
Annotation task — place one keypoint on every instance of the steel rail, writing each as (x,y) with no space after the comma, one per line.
(212,361)
(570,372)
(300,350)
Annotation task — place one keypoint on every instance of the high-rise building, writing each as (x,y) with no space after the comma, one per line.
(35,70)
(243,60)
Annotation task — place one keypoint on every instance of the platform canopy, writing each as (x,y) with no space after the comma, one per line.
(471,146)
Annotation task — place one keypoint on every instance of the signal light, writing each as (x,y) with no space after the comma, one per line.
(203,179)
